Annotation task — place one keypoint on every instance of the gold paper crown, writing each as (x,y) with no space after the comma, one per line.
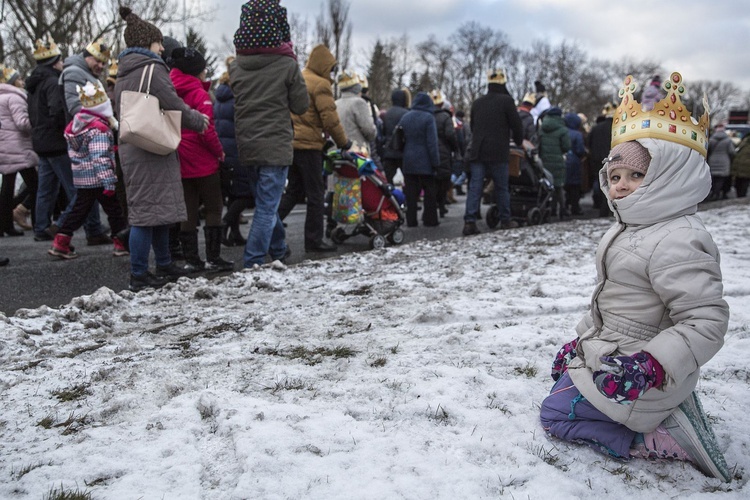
(6,73)
(668,120)
(364,82)
(347,79)
(437,97)
(46,50)
(91,95)
(496,76)
(112,71)
(99,50)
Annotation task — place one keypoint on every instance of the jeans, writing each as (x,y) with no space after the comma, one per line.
(142,239)
(498,171)
(267,233)
(53,172)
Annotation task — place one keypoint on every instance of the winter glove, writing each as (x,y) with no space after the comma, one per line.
(564,356)
(108,193)
(626,378)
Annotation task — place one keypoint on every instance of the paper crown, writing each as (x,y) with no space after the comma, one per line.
(669,120)
(530,98)
(609,110)
(347,79)
(6,74)
(99,50)
(91,94)
(496,76)
(364,82)
(437,97)
(44,50)
(112,71)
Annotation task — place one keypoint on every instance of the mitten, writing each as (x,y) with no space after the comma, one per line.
(108,193)
(626,378)
(563,358)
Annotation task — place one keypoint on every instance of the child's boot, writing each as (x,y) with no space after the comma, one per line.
(61,247)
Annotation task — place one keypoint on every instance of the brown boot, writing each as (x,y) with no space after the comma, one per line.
(21,216)
(449,195)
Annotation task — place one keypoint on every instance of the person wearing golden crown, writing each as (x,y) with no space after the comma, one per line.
(626,385)
(91,146)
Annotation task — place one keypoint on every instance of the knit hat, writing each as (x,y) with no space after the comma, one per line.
(263,24)
(169,45)
(630,154)
(8,75)
(554,111)
(539,87)
(188,60)
(99,50)
(139,33)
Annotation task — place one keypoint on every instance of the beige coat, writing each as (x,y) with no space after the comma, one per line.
(659,287)
(356,118)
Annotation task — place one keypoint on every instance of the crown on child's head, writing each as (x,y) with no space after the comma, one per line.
(91,94)
(669,120)
(45,50)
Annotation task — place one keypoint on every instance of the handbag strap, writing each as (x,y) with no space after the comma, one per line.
(150,70)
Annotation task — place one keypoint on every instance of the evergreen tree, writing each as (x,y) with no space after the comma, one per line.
(380,76)
(195,40)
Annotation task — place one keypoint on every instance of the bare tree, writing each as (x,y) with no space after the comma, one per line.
(438,60)
(298,28)
(721,96)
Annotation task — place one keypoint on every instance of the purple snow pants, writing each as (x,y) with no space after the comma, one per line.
(566,414)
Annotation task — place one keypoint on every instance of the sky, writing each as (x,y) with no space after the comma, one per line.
(412,372)
(702,40)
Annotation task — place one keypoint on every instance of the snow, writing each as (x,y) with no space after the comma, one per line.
(412,372)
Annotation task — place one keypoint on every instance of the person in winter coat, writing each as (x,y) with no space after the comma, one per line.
(152,182)
(626,384)
(199,154)
(47,114)
(392,159)
(376,145)
(79,69)
(573,168)
(267,86)
(554,143)
(242,177)
(494,120)
(421,160)
(652,94)
(91,146)
(599,142)
(720,153)
(310,128)
(355,113)
(447,145)
(17,152)
(741,167)
(527,119)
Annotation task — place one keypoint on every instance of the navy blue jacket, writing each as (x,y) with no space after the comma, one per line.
(224,121)
(577,150)
(392,116)
(421,154)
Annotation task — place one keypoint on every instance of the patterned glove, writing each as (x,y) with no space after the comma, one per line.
(108,192)
(563,358)
(626,378)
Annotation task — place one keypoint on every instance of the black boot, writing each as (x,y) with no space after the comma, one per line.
(214,261)
(231,236)
(148,280)
(175,248)
(189,241)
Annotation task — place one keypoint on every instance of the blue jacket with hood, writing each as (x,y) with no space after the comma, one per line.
(421,153)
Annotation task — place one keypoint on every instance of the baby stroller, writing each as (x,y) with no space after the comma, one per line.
(362,201)
(531,190)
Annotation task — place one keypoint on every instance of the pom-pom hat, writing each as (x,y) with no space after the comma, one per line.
(263,25)
(139,33)
(188,60)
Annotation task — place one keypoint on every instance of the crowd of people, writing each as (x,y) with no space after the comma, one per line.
(625,384)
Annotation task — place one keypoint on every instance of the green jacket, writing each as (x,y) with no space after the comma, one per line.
(741,161)
(554,142)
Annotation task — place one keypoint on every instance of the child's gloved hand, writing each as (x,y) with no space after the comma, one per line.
(108,193)
(626,378)
(563,358)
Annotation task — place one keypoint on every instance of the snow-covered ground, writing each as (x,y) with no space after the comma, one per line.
(413,372)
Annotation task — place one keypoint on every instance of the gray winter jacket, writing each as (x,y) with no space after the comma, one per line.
(659,287)
(267,89)
(75,73)
(720,154)
(153,183)
(355,116)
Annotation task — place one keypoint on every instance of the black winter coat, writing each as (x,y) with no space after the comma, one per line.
(493,119)
(447,142)
(224,121)
(46,112)
(391,118)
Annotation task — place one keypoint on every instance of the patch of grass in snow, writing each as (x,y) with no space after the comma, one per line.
(379,362)
(315,356)
(440,416)
(394,349)
(65,494)
(47,422)
(528,371)
(290,384)
(72,393)
(493,404)
(548,456)
(25,470)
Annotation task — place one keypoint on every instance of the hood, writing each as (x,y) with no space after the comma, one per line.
(719,135)
(255,62)
(78,61)
(678,178)
(224,93)
(399,97)
(184,83)
(572,121)
(423,102)
(321,62)
(80,124)
(551,123)
(40,74)
(12,89)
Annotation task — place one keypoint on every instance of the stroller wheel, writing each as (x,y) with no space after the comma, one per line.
(396,237)
(534,217)
(338,235)
(493,217)
(377,242)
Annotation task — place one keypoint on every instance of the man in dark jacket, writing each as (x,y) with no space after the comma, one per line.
(493,119)
(267,86)
(599,145)
(392,159)
(47,115)
(447,145)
